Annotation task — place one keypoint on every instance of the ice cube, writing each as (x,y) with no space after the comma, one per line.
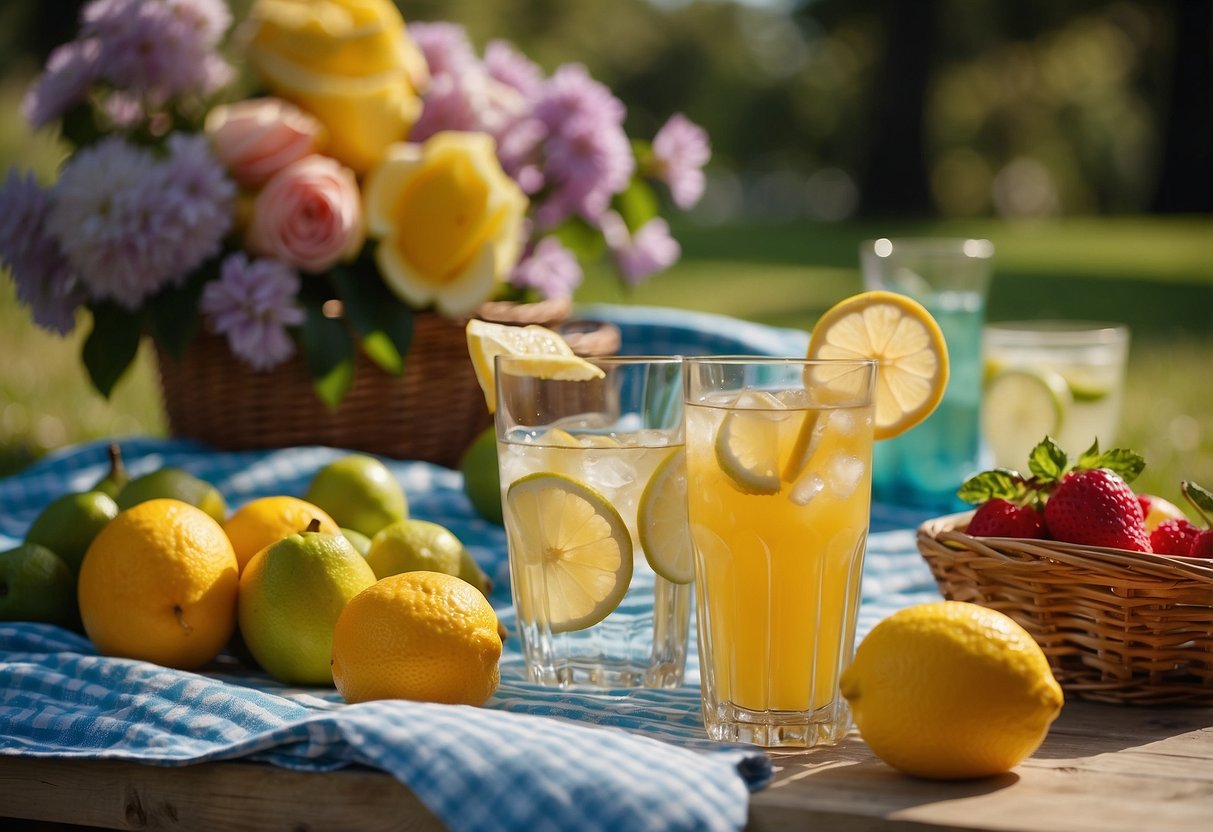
(608,470)
(806,488)
(842,421)
(843,474)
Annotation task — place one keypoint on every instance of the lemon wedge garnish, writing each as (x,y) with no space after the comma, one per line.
(900,334)
(548,355)
(661,520)
(568,538)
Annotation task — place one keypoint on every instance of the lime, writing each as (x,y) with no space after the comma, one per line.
(359,493)
(36,585)
(1019,408)
(69,523)
(470,571)
(480,476)
(174,484)
(291,594)
(1087,385)
(568,538)
(412,546)
(662,523)
(747,443)
(360,542)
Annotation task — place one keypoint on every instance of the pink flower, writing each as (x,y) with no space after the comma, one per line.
(255,139)
(641,255)
(680,150)
(308,216)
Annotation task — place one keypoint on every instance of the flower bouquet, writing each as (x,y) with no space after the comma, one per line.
(362,193)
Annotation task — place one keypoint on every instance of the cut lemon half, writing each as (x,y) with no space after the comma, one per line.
(661,520)
(549,356)
(900,334)
(747,443)
(1019,408)
(567,538)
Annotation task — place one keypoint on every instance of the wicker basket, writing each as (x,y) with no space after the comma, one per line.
(431,412)
(1116,626)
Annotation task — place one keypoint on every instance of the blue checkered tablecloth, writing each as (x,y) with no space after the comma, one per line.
(532,758)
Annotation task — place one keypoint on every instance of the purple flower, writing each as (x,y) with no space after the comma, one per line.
(550,269)
(445,46)
(45,283)
(253,303)
(161,49)
(680,150)
(638,257)
(130,224)
(508,66)
(70,71)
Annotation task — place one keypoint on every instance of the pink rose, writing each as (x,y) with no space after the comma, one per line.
(255,139)
(309,215)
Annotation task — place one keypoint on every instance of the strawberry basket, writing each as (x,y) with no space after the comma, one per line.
(1117,626)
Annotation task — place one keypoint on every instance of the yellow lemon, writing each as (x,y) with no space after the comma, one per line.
(267,520)
(290,596)
(159,583)
(900,334)
(951,690)
(550,355)
(425,636)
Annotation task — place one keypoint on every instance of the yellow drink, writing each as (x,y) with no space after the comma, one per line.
(778,506)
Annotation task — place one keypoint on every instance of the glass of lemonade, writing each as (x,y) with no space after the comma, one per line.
(593,484)
(950,277)
(1063,379)
(779,455)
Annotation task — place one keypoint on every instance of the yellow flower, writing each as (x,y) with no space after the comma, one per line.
(350,63)
(448,219)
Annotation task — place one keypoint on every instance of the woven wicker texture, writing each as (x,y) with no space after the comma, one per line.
(431,412)
(1116,626)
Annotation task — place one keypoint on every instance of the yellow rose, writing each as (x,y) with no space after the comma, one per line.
(350,63)
(448,221)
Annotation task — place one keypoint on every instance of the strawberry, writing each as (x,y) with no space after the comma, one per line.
(1002,518)
(1202,547)
(1174,537)
(1097,508)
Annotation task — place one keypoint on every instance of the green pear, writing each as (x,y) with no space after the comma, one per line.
(69,523)
(359,493)
(36,585)
(117,477)
(176,484)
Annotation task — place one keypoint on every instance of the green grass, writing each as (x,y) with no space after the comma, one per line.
(1154,274)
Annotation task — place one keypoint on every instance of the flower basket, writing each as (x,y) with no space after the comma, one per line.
(431,412)
(1118,627)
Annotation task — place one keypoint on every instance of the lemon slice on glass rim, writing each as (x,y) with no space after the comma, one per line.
(661,520)
(902,336)
(568,537)
(547,355)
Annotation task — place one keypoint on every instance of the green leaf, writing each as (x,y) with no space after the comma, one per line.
(173,317)
(1047,462)
(329,350)
(581,238)
(79,125)
(111,346)
(1000,483)
(637,204)
(384,324)
(1200,498)
(1123,462)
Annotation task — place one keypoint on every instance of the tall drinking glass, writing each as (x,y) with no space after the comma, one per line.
(593,485)
(1063,379)
(779,458)
(950,277)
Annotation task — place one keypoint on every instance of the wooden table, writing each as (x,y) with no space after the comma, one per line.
(1103,768)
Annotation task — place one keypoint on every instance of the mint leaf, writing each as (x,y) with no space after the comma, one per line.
(1047,462)
(1200,498)
(1122,462)
(999,483)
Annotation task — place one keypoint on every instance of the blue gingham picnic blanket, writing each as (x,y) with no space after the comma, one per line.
(531,758)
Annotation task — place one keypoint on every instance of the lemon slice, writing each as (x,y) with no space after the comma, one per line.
(662,523)
(549,356)
(567,536)
(1086,385)
(747,443)
(1019,408)
(901,335)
